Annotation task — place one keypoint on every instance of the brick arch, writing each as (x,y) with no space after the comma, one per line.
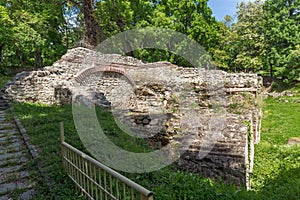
(98,69)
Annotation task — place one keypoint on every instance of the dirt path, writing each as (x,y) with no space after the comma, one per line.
(15,179)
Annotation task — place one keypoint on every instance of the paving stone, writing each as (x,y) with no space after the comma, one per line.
(13,157)
(12,150)
(6,125)
(5,197)
(20,184)
(14,175)
(2,116)
(4,133)
(28,194)
(10,138)
(16,161)
(16,144)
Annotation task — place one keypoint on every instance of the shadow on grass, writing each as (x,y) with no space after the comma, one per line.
(278,85)
(284,186)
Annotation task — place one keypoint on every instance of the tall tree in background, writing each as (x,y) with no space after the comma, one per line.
(250,41)
(282,36)
(85,9)
(113,16)
(35,37)
(6,25)
(92,28)
(192,18)
(265,38)
(225,52)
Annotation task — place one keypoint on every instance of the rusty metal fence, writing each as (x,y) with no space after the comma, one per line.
(97,181)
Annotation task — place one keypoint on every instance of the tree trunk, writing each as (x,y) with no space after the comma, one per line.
(90,22)
(38,59)
(271,70)
(1,59)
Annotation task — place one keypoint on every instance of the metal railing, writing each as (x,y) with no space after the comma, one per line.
(95,180)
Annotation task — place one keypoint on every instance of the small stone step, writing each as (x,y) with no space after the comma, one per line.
(13,161)
(13,175)
(11,156)
(14,145)
(20,184)
(12,149)
(8,132)
(6,126)
(27,195)
(14,179)
(9,138)
(9,170)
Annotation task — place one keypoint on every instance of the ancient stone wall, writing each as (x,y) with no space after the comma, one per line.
(217,113)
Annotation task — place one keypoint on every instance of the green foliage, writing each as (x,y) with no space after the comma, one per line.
(114,16)
(282,32)
(293,64)
(265,39)
(245,41)
(192,18)
(6,24)
(30,31)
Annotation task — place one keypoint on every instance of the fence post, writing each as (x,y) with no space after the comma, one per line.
(62,140)
(143,197)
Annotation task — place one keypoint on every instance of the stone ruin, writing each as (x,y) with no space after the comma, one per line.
(165,101)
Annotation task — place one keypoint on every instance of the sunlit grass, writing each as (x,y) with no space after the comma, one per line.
(277,165)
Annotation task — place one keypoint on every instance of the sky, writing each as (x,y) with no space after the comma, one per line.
(221,8)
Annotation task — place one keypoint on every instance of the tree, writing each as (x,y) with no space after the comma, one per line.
(250,42)
(192,18)
(282,37)
(92,28)
(6,24)
(113,16)
(35,38)
(227,49)
(293,64)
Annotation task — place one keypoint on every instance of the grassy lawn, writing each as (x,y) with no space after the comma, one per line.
(277,166)
(276,172)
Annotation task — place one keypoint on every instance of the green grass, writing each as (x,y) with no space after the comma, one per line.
(276,172)
(277,166)
(41,123)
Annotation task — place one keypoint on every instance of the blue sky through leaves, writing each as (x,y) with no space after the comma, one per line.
(221,8)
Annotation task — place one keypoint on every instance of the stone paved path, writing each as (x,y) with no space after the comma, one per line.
(15,180)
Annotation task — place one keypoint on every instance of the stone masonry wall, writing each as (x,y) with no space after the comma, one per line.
(165,101)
